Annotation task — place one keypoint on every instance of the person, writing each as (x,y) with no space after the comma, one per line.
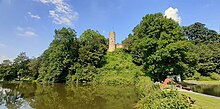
(166,81)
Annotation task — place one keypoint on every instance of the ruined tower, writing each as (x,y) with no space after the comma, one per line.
(111,42)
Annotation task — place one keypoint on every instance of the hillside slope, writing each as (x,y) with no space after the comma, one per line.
(119,69)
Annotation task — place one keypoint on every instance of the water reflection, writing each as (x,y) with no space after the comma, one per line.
(207,89)
(61,96)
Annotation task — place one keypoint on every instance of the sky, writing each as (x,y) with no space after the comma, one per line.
(28,25)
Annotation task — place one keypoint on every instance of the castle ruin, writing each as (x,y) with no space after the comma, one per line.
(112,45)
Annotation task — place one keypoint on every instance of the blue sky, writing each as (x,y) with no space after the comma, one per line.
(28,25)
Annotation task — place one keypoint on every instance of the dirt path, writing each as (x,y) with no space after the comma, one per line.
(199,94)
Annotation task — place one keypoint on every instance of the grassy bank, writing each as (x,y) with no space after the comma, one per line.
(203,101)
(202,82)
(119,69)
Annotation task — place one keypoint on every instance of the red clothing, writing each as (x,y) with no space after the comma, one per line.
(166,81)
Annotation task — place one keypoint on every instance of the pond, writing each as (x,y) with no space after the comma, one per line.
(62,96)
(207,89)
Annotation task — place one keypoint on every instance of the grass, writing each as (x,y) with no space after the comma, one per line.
(119,69)
(202,82)
(203,101)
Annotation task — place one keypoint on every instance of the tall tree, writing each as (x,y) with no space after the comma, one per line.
(34,66)
(198,33)
(160,45)
(60,56)
(93,47)
(20,64)
(207,43)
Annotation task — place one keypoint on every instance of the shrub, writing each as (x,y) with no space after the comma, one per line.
(215,76)
(204,78)
(152,97)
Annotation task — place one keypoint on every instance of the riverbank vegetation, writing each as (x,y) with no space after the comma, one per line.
(156,48)
(152,97)
(202,82)
(203,102)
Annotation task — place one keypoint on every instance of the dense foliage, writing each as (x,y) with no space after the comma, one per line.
(207,44)
(93,47)
(68,58)
(198,33)
(152,97)
(160,45)
(15,70)
(59,57)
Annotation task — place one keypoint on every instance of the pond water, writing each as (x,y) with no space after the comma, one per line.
(207,89)
(61,96)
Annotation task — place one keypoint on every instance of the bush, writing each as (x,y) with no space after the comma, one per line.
(204,78)
(152,97)
(197,76)
(215,76)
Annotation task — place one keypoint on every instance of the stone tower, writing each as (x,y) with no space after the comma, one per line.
(111,42)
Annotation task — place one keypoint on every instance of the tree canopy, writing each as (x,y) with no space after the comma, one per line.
(160,45)
(58,58)
(197,32)
(157,44)
(207,47)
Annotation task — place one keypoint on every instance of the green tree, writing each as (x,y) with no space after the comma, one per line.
(60,56)
(33,67)
(93,47)
(127,43)
(8,72)
(198,33)
(209,58)
(20,64)
(160,45)
(4,66)
(207,43)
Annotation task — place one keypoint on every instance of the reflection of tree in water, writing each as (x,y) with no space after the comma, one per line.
(99,97)
(61,96)
(83,97)
(10,97)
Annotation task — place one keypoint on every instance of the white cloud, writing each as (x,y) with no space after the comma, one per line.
(27,32)
(4,58)
(37,17)
(173,14)
(62,13)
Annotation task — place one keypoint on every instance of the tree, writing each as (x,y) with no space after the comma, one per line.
(20,64)
(207,47)
(8,73)
(60,56)
(198,33)
(34,66)
(127,43)
(209,58)
(93,47)
(160,45)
